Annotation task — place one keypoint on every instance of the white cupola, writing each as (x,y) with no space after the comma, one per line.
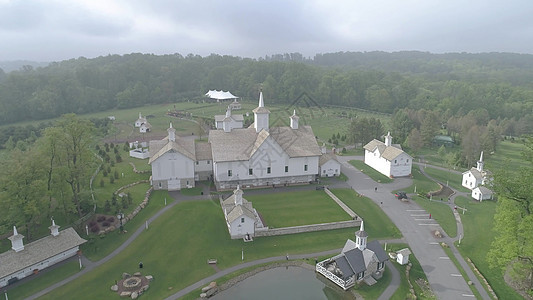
(294,120)
(360,237)
(54,229)
(480,163)
(388,140)
(238,195)
(171,133)
(16,240)
(261,114)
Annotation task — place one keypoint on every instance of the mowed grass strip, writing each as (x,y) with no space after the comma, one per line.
(440,212)
(297,208)
(478,236)
(377,224)
(367,170)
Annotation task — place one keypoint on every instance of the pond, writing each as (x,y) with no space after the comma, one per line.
(282,283)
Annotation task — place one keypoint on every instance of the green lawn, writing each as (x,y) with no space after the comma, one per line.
(422,183)
(297,208)
(508,156)
(378,225)
(440,212)
(453,179)
(50,277)
(478,222)
(375,175)
(174,237)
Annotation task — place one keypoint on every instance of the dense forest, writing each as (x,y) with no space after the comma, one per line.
(449,84)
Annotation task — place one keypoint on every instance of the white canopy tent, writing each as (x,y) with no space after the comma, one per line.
(220,95)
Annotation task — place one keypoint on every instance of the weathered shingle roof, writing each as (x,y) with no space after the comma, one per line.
(203,151)
(241,143)
(39,250)
(220,118)
(324,158)
(183,146)
(475,172)
(344,266)
(356,260)
(239,211)
(484,190)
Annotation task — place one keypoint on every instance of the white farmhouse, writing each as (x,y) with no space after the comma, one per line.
(175,164)
(140,121)
(24,260)
(241,217)
(388,159)
(358,261)
(475,176)
(145,127)
(228,121)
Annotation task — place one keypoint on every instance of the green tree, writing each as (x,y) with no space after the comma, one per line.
(363,130)
(414,140)
(23,198)
(513,244)
(73,141)
(401,126)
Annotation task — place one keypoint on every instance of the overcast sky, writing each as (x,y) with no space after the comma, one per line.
(52,30)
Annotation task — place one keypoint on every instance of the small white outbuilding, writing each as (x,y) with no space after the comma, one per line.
(402,256)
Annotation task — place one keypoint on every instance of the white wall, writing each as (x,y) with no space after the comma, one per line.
(374,160)
(270,155)
(239,229)
(401,165)
(172,166)
(330,168)
(469,181)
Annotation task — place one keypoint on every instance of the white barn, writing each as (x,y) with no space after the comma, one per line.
(358,261)
(24,260)
(241,217)
(388,159)
(264,156)
(177,162)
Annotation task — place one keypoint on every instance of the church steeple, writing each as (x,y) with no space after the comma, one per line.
(238,195)
(261,114)
(54,229)
(480,163)
(294,120)
(16,240)
(388,139)
(360,237)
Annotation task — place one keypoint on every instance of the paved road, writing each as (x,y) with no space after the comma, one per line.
(417,229)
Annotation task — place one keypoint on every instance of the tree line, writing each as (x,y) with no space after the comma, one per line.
(454,84)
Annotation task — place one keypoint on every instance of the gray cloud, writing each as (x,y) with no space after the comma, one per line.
(62,29)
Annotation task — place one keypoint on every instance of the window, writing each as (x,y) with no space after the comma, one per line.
(395,161)
(250,171)
(196,162)
(324,171)
(242,220)
(305,168)
(407,160)
(286,169)
(160,184)
(208,162)
(268,170)
(229,173)
(380,265)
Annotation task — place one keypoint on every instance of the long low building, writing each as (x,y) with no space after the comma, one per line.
(24,260)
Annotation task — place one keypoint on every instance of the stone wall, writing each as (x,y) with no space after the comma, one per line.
(308,228)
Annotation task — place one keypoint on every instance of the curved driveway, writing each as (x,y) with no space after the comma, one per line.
(417,229)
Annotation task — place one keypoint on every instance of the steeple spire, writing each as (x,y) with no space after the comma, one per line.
(171,133)
(261,115)
(480,163)
(16,240)
(360,237)
(54,229)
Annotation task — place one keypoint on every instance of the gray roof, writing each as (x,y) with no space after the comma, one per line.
(356,260)
(237,118)
(325,157)
(241,143)
(344,266)
(203,151)
(387,152)
(39,250)
(239,211)
(375,246)
(484,190)
(475,172)
(180,145)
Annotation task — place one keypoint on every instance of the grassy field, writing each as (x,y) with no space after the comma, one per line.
(453,179)
(171,246)
(440,212)
(370,172)
(287,209)
(50,277)
(508,156)
(422,183)
(478,222)
(378,225)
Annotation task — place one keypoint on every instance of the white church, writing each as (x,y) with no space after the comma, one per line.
(387,158)
(476,179)
(236,156)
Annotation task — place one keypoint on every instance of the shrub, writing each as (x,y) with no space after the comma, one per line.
(102,183)
(95,228)
(92,223)
(111,179)
(106,224)
(101,218)
(111,219)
